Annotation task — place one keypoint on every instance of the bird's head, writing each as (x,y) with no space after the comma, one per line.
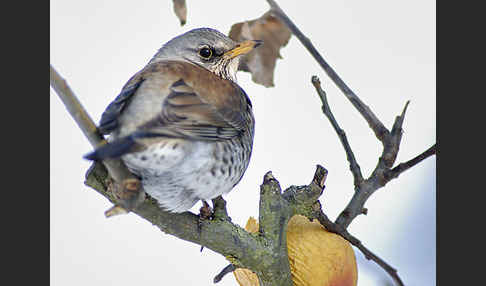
(207,48)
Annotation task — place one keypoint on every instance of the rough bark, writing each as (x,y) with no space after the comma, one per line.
(265,252)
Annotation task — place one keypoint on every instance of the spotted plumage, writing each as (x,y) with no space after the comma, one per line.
(182,123)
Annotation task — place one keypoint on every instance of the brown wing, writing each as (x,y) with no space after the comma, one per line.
(196,105)
(199,105)
(109,118)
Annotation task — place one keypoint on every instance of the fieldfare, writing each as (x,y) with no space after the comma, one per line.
(182,123)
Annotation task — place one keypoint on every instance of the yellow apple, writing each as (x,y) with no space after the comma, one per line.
(317,257)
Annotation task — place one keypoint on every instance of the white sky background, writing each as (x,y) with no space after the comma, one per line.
(384,51)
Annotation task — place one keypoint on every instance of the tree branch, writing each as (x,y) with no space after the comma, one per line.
(353,165)
(265,254)
(335,228)
(380,176)
(127,187)
(274,214)
(373,121)
(389,139)
(402,167)
(305,202)
(220,235)
(219,209)
(228,269)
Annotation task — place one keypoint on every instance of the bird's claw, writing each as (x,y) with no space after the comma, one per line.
(205,213)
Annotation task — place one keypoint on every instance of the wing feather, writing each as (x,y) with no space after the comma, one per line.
(196,105)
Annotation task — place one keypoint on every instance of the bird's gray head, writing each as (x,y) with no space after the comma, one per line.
(207,48)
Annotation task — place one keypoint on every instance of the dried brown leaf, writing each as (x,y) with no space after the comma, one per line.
(261,62)
(180,10)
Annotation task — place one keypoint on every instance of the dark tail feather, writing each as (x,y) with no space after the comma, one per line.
(112,150)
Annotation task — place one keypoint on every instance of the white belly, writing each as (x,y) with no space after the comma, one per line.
(178,173)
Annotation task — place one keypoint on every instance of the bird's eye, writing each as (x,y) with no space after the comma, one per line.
(205,53)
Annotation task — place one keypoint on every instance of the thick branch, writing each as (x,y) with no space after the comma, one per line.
(220,212)
(266,254)
(389,139)
(274,215)
(276,209)
(128,188)
(304,201)
(219,235)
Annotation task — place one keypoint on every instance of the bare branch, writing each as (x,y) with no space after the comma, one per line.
(391,143)
(305,202)
(304,197)
(74,107)
(380,176)
(402,167)
(353,165)
(228,269)
(333,227)
(389,139)
(375,124)
(221,236)
(127,188)
(219,209)
(274,215)
(265,255)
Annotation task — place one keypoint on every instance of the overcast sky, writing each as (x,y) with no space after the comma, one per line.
(383,50)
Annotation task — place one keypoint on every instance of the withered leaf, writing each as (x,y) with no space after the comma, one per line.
(261,62)
(180,10)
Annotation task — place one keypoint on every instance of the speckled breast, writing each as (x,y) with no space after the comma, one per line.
(178,172)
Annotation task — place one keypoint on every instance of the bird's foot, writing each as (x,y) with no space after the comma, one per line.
(205,213)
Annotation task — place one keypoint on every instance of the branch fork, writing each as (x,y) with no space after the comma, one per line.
(265,253)
(390,139)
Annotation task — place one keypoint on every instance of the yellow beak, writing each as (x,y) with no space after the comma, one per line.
(242,48)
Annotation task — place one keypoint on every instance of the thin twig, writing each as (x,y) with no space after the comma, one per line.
(128,187)
(390,141)
(228,269)
(340,230)
(379,177)
(335,228)
(74,107)
(373,121)
(353,164)
(219,235)
(402,167)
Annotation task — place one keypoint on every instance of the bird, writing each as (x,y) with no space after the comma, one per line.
(182,124)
